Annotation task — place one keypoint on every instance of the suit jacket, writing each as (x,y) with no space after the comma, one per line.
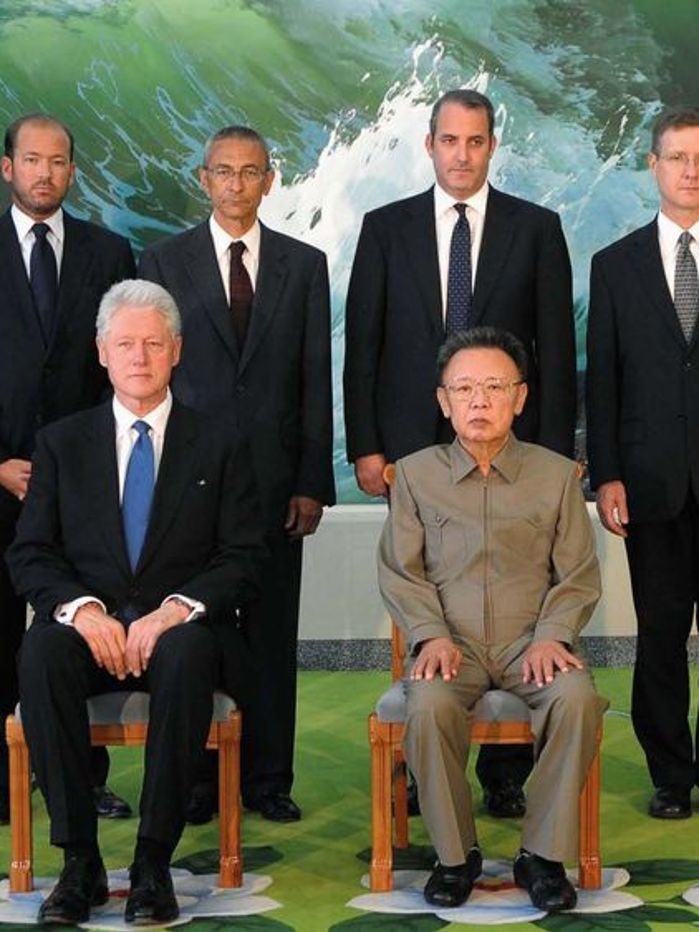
(276,392)
(203,540)
(38,382)
(394,322)
(642,381)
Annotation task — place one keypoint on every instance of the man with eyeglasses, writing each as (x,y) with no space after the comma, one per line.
(643,445)
(487,562)
(457,255)
(255,310)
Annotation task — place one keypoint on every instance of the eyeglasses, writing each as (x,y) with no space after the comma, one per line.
(250,173)
(493,389)
(680,159)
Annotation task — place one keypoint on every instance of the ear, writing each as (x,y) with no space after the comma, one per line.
(652,161)
(204,181)
(522,392)
(7,168)
(268,182)
(101,353)
(71,176)
(443,400)
(429,144)
(177,351)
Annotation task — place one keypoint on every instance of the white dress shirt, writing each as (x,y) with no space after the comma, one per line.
(126,437)
(669,233)
(445,218)
(56,235)
(251,255)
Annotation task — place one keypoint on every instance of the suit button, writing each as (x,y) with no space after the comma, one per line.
(688,365)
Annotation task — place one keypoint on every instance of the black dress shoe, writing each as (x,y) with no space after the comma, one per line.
(151,898)
(505,800)
(202,805)
(451,886)
(670,803)
(82,884)
(413,800)
(545,882)
(109,805)
(277,807)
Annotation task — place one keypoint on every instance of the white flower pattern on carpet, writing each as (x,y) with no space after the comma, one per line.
(198,897)
(495,899)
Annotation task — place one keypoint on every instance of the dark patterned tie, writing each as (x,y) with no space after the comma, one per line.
(43,278)
(240,291)
(138,492)
(686,286)
(459,278)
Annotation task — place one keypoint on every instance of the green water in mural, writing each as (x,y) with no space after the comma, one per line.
(342,90)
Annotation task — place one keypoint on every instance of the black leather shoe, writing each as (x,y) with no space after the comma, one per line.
(413,800)
(451,886)
(151,898)
(277,807)
(82,884)
(505,800)
(545,882)
(109,805)
(670,803)
(202,805)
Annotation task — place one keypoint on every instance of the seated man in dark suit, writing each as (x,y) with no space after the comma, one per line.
(139,538)
(487,562)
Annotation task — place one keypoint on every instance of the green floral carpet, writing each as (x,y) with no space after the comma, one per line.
(316,865)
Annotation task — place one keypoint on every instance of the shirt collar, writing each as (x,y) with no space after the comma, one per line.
(669,232)
(507,461)
(444,202)
(24,223)
(156,419)
(222,239)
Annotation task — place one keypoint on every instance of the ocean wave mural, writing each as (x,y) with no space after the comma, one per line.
(342,91)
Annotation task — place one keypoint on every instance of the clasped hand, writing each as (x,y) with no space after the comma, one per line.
(120,651)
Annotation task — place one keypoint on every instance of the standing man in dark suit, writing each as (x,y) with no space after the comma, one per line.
(53,271)
(255,311)
(138,541)
(426,266)
(643,445)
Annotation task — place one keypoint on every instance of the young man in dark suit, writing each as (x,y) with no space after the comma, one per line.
(643,445)
(139,539)
(53,271)
(256,319)
(426,266)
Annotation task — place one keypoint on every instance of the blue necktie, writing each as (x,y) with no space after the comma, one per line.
(459,278)
(138,492)
(43,278)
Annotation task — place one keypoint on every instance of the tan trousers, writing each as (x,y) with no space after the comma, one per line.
(565,716)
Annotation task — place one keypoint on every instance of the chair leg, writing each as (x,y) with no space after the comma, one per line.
(381,871)
(21,878)
(590,862)
(400,799)
(230,860)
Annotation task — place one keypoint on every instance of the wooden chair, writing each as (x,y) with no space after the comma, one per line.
(499,718)
(121,718)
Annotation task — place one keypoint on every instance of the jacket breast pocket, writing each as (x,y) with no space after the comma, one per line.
(445,543)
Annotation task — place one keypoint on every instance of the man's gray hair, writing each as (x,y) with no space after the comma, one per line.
(137,292)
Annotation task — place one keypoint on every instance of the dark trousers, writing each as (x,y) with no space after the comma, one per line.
(13,613)
(57,674)
(269,696)
(664,564)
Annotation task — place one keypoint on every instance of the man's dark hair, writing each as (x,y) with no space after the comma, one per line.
(672,118)
(483,338)
(236,132)
(41,119)
(471,100)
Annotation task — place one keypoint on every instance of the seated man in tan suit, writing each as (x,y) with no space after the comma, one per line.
(487,562)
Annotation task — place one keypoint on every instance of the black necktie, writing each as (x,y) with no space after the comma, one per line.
(459,278)
(43,278)
(240,292)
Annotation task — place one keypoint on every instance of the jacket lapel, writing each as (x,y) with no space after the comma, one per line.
(174,474)
(77,259)
(13,271)
(645,254)
(497,236)
(272,272)
(420,238)
(205,277)
(103,484)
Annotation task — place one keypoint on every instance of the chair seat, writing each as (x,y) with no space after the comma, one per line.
(125,708)
(496,705)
